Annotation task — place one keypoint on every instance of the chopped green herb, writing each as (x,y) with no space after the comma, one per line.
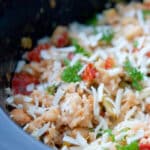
(135,44)
(135,75)
(66,62)
(79,49)
(51,89)
(107,36)
(108,131)
(146,13)
(112,136)
(91,129)
(92,21)
(131,146)
(100,132)
(70,74)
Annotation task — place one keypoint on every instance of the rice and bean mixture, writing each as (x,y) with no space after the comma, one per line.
(88,86)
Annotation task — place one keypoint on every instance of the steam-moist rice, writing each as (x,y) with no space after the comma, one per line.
(103,105)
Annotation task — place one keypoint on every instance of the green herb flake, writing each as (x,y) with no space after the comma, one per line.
(91,129)
(112,136)
(107,36)
(66,62)
(51,89)
(146,13)
(135,44)
(70,74)
(135,75)
(79,49)
(108,131)
(100,132)
(131,146)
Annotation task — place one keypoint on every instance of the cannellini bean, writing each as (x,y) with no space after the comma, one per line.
(51,115)
(20,117)
(111,16)
(133,31)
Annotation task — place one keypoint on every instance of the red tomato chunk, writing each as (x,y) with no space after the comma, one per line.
(34,55)
(89,73)
(62,40)
(148,54)
(145,146)
(109,63)
(20,82)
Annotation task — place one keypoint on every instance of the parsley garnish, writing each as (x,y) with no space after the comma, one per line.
(107,36)
(108,131)
(100,132)
(51,89)
(135,44)
(91,129)
(131,146)
(79,49)
(146,13)
(112,136)
(135,75)
(70,74)
(66,62)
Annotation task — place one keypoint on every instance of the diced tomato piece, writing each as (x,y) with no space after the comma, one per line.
(109,63)
(148,54)
(34,55)
(62,40)
(20,82)
(145,146)
(89,73)
(70,56)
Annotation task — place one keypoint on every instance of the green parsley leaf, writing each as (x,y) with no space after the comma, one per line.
(146,13)
(135,75)
(107,36)
(51,89)
(112,136)
(70,74)
(108,131)
(100,132)
(79,49)
(92,21)
(135,44)
(131,146)
(91,129)
(66,62)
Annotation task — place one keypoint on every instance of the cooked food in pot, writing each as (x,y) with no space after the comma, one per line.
(88,86)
